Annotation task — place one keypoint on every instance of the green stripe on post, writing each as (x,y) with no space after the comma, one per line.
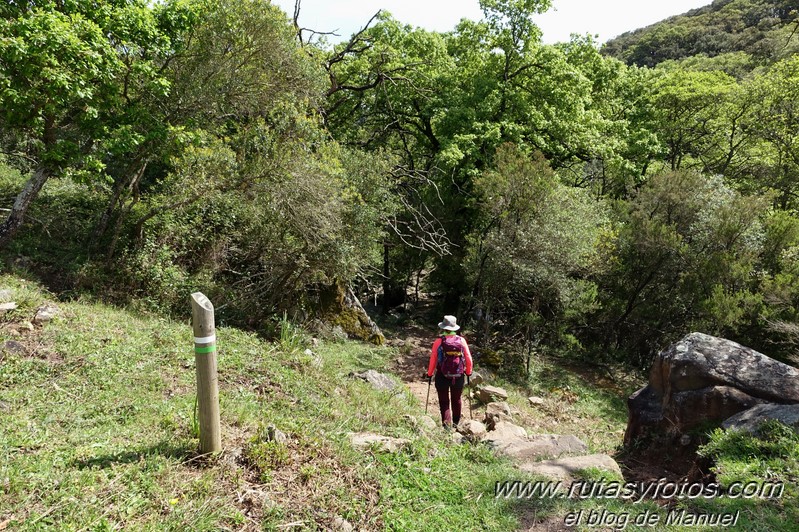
(206,349)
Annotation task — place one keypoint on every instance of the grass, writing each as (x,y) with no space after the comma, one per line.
(97,433)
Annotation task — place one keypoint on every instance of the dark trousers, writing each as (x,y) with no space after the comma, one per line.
(446,388)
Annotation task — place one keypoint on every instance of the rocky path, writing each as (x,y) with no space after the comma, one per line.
(487,418)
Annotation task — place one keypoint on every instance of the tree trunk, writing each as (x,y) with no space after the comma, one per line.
(24,199)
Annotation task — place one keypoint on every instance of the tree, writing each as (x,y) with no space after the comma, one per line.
(533,256)
(71,77)
(684,258)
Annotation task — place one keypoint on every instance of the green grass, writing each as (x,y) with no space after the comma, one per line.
(97,434)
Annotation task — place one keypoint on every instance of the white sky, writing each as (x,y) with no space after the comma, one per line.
(606,18)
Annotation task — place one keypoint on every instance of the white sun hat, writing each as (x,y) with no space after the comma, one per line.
(449,324)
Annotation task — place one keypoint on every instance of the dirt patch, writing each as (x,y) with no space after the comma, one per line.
(305,479)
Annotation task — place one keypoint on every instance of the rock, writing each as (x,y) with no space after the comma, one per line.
(491,393)
(541,446)
(315,342)
(341,307)
(685,439)
(496,412)
(338,333)
(276,435)
(476,378)
(750,420)
(498,407)
(535,401)
(308,353)
(342,525)
(567,469)
(13,347)
(368,440)
(5,307)
(424,422)
(428,423)
(504,435)
(703,379)
(45,313)
(6,294)
(457,437)
(472,429)
(379,381)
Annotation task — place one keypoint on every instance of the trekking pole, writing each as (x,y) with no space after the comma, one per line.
(429,381)
(469,397)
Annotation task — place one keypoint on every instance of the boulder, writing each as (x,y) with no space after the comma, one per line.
(750,420)
(379,381)
(367,440)
(568,468)
(703,379)
(492,393)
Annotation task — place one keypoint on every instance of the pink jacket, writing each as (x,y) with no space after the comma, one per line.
(431,367)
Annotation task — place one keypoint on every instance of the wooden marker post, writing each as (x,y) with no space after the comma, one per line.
(202,312)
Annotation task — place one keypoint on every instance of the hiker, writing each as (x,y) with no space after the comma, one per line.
(451,363)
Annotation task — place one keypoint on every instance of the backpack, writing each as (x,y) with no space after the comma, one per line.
(451,363)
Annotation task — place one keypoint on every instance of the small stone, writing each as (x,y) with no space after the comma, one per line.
(536,401)
(45,313)
(378,380)
(365,440)
(471,428)
(342,525)
(13,347)
(315,342)
(308,353)
(685,439)
(6,294)
(476,379)
(5,307)
(428,423)
(276,435)
(498,407)
(457,437)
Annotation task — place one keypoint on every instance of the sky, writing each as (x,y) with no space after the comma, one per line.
(605,18)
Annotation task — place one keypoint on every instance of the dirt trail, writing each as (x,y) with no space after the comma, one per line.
(414,343)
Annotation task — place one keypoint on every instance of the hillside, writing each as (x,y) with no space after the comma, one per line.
(762,30)
(98,433)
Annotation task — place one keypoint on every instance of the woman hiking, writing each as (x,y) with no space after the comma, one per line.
(451,363)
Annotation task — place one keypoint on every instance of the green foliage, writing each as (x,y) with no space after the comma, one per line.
(536,249)
(759,28)
(686,250)
(769,459)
